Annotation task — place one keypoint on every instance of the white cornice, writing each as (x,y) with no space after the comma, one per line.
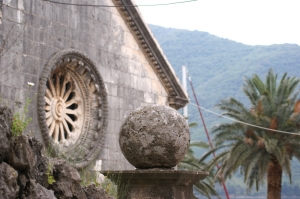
(131,15)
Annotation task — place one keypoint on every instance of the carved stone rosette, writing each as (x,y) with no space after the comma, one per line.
(72,107)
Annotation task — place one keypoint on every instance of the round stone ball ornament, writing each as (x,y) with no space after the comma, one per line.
(154,137)
(72,107)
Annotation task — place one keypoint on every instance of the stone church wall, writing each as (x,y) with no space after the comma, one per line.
(32,31)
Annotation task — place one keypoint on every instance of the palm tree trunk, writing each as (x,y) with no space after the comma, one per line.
(274,179)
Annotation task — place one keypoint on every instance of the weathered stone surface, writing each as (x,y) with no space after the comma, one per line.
(5,131)
(155,183)
(39,171)
(36,191)
(154,136)
(22,182)
(26,177)
(8,182)
(26,156)
(67,180)
(93,192)
(21,157)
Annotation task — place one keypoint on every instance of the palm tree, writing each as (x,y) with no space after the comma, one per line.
(190,162)
(261,148)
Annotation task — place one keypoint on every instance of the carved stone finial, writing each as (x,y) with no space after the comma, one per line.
(154,137)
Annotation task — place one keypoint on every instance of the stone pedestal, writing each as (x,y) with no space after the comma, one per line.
(155,183)
(154,139)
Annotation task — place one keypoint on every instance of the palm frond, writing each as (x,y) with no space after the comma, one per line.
(199,144)
(189,165)
(193,124)
(189,162)
(287,167)
(218,159)
(210,191)
(263,164)
(258,83)
(253,178)
(250,163)
(251,149)
(251,92)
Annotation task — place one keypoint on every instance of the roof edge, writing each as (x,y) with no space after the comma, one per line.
(177,96)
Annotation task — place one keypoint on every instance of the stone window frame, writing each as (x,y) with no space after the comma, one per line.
(92,137)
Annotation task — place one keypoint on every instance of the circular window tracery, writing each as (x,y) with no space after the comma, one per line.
(64,106)
(72,107)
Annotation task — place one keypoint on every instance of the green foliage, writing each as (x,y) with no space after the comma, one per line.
(51,179)
(189,162)
(251,149)
(50,176)
(88,176)
(110,188)
(20,120)
(193,124)
(117,186)
(51,151)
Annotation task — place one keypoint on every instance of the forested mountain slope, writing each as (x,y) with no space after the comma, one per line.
(218,66)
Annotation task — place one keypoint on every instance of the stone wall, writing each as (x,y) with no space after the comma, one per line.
(32,31)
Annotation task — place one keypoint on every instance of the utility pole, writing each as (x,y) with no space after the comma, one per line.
(184,84)
(207,134)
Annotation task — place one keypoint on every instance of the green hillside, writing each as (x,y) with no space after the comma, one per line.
(218,66)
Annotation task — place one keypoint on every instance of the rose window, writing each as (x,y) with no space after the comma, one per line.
(64,107)
(72,107)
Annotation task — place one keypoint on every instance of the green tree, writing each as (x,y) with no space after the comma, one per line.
(260,152)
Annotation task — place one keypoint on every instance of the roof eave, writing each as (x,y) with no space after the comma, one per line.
(177,97)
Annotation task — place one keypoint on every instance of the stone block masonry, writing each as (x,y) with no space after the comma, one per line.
(32,31)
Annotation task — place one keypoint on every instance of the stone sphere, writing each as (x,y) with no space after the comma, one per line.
(154,137)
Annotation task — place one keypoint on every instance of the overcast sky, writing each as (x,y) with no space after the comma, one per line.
(253,22)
